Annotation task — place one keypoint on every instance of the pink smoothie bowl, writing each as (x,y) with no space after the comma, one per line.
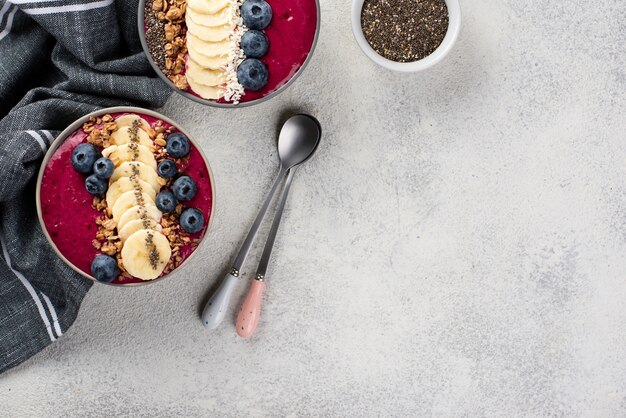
(65,209)
(292,35)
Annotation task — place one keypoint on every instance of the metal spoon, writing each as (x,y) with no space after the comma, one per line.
(250,311)
(297,140)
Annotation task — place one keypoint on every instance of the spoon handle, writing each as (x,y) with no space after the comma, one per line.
(215,309)
(250,312)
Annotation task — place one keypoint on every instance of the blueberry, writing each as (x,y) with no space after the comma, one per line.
(252,74)
(177,145)
(96,185)
(103,168)
(167,169)
(83,158)
(256,14)
(184,188)
(104,268)
(166,202)
(192,220)
(254,43)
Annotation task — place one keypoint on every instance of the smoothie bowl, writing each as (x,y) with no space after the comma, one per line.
(229,53)
(125,196)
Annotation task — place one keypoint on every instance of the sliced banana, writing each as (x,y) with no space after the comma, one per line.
(134,226)
(206,61)
(206,92)
(130,152)
(141,170)
(210,49)
(123,136)
(126,184)
(139,212)
(128,200)
(207,6)
(210,33)
(128,120)
(205,76)
(220,18)
(145,254)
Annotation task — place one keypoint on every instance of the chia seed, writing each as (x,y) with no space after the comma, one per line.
(155,37)
(404,30)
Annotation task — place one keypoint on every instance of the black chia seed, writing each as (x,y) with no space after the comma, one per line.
(404,30)
(155,36)
(154,256)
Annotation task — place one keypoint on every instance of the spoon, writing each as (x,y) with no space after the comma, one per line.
(297,140)
(250,311)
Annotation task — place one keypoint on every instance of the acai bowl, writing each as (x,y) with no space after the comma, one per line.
(228,53)
(125,196)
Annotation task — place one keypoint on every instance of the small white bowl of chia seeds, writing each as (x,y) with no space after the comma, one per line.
(406,35)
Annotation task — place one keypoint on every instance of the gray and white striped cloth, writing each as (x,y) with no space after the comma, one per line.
(59,59)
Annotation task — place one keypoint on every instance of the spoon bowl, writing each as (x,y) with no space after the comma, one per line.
(298,140)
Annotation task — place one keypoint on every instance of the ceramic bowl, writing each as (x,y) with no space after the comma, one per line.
(283,87)
(68,133)
(454,26)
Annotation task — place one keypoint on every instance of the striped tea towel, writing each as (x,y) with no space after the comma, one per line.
(59,59)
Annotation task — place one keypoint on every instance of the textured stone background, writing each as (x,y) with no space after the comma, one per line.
(456,247)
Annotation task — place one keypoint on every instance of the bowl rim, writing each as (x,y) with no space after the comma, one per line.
(73,127)
(452,33)
(206,102)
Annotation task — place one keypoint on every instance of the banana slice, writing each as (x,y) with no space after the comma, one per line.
(145,254)
(210,33)
(139,212)
(128,200)
(126,184)
(203,75)
(130,152)
(206,61)
(207,6)
(141,170)
(123,136)
(222,17)
(206,92)
(134,226)
(128,120)
(210,49)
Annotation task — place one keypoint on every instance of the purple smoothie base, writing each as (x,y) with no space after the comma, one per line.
(291,34)
(70,219)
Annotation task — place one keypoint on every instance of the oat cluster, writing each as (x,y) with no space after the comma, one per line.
(166,37)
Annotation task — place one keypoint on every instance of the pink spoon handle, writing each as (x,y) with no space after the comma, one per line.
(250,311)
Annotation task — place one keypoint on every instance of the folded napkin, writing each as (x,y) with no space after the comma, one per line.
(59,59)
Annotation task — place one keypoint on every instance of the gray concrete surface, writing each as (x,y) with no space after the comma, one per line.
(456,248)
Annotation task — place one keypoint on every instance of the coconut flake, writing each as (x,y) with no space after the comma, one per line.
(234,89)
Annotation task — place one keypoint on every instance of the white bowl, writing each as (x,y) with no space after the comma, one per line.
(454,26)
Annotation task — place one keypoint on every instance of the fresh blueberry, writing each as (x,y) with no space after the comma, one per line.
(83,157)
(256,14)
(104,268)
(192,220)
(254,43)
(96,185)
(167,169)
(103,168)
(252,74)
(177,145)
(184,188)
(166,202)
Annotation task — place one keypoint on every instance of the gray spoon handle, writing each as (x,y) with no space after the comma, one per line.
(215,309)
(250,312)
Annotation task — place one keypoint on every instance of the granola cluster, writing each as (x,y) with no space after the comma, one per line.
(106,240)
(167,41)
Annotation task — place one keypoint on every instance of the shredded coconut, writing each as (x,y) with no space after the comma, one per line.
(234,90)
